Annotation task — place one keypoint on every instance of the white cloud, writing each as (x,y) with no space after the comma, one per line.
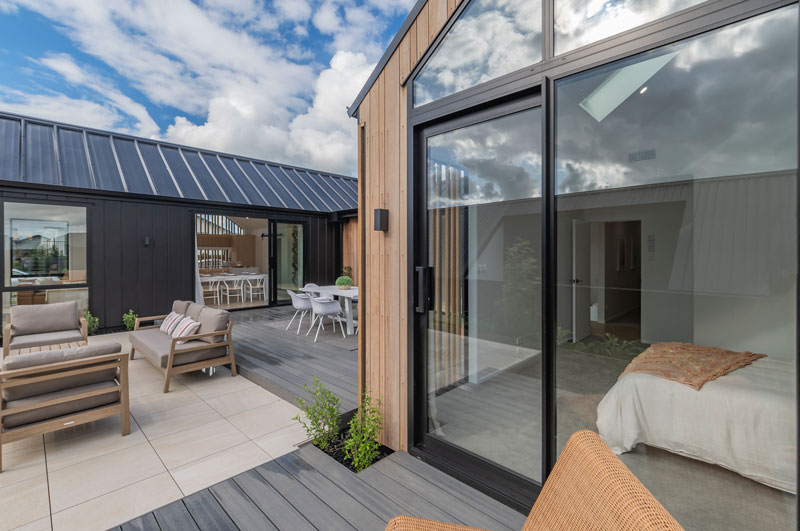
(61,108)
(242,65)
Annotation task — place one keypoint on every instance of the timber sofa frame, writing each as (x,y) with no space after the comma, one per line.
(171,370)
(39,374)
(52,324)
(589,488)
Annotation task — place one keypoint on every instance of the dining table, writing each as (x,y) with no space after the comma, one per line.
(344,295)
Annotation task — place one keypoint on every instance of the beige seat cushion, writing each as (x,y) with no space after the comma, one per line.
(35,359)
(154,344)
(212,320)
(45,338)
(66,408)
(180,307)
(193,310)
(41,318)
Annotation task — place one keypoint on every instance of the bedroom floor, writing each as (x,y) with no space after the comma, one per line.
(501,415)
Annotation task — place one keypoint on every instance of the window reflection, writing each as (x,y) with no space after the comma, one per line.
(489,39)
(581,22)
(676,244)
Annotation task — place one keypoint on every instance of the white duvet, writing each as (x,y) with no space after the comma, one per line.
(743,421)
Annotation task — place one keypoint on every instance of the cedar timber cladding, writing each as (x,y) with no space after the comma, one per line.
(383,340)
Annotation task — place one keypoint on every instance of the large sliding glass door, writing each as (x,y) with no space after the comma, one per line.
(482,310)
(289,258)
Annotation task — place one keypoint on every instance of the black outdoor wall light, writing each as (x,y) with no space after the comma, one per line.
(381,219)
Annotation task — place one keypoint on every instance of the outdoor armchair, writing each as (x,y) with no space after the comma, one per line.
(212,346)
(52,390)
(40,325)
(589,488)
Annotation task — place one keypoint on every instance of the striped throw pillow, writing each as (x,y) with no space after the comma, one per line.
(170,322)
(185,328)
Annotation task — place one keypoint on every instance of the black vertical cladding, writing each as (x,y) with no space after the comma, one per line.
(106,290)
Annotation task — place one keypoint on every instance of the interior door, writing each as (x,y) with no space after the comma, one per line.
(581,293)
(478,296)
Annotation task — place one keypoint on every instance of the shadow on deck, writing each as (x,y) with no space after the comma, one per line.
(283,361)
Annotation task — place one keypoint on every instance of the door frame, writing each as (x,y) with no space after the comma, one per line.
(273,255)
(500,482)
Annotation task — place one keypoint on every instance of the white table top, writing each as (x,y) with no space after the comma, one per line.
(223,278)
(333,290)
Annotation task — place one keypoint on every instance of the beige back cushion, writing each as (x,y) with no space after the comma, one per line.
(42,318)
(33,359)
(193,310)
(212,320)
(180,307)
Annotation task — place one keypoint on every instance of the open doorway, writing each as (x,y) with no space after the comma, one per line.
(606,280)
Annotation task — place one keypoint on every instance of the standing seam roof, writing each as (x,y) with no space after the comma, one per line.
(38,151)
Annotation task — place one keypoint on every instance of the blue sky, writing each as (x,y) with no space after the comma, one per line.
(264,78)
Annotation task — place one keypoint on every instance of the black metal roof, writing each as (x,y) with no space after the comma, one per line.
(44,152)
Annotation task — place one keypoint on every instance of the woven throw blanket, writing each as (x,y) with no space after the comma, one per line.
(689,364)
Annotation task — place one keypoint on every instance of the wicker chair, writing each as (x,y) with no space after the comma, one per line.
(589,488)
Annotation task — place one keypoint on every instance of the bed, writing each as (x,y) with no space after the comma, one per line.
(743,421)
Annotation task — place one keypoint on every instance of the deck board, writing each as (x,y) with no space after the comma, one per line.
(306,489)
(283,362)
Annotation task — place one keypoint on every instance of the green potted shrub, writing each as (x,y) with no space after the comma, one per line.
(345,281)
(362,446)
(321,420)
(129,319)
(92,322)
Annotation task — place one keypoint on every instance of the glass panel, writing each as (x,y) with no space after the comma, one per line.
(44,244)
(581,22)
(484,241)
(677,246)
(45,296)
(289,254)
(232,259)
(489,39)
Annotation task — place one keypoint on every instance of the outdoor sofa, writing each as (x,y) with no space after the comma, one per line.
(589,488)
(40,325)
(53,390)
(211,346)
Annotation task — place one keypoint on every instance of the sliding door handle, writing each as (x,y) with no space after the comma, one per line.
(424,280)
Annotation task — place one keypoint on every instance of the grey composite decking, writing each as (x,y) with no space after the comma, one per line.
(283,362)
(307,489)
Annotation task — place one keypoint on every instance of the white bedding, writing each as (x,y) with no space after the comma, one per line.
(743,421)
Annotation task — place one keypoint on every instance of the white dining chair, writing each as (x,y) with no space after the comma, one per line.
(301,304)
(322,309)
(255,286)
(317,294)
(234,287)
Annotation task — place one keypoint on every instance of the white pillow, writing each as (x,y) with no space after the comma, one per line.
(170,322)
(186,327)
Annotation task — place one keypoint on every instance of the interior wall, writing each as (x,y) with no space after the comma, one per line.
(383,315)
(597,268)
(622,286)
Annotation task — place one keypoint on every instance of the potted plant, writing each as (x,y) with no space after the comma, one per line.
(345,281)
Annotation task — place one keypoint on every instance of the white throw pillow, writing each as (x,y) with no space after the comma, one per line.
(185,328)
(170,322)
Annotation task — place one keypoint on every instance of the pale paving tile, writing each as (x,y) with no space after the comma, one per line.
(22,464)
(238,401)
(265,419)
(283,441)
(219,384)
(23,502)
(88,441)
(38,440)
(89,479)
(177,419)
(42,524)
(218,467)
(119,506)
(195,443)
(147,405)
(152,387)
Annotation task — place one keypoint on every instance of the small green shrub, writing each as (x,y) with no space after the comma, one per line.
(563,336)
(322,416)
(344,281)
(614,347)
(92,322)
(362,446)
(129,319)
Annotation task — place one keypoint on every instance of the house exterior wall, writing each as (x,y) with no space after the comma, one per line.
(125,274)
(382,114)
